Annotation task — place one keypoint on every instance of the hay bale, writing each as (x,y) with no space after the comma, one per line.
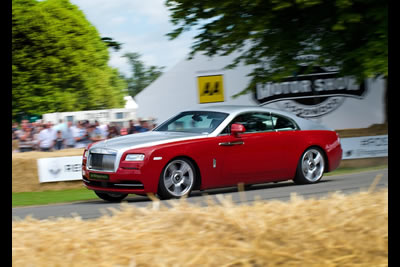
(15,145)
(374,129)
(336,231)
(25,173)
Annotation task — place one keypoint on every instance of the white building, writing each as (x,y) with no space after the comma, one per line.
(202,81)
(120,116)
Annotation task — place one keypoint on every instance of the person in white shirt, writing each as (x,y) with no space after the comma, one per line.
(47,137)
(69,135)
(81,136)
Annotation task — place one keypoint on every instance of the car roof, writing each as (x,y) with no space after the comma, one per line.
(233,110)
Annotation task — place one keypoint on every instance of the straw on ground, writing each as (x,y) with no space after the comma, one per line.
(338,230)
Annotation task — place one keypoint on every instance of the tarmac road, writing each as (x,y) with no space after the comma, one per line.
(347,183)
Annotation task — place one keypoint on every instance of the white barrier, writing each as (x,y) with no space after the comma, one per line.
(364,147)
(60,169)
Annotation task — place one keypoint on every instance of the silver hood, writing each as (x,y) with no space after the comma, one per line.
(145,139)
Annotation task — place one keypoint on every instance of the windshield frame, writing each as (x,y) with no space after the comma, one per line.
(165,124)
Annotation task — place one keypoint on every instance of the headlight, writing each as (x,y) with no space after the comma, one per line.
(134,157)
(86,153)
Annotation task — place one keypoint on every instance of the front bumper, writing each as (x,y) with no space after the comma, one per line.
(126,181)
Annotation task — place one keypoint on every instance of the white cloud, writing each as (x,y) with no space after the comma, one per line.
(141,26)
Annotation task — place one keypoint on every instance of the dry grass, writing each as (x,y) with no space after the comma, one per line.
(336,231)
(25,174)
(374,129)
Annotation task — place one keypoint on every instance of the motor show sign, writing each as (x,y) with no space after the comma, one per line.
(310,95)
(365,147)
(60,169)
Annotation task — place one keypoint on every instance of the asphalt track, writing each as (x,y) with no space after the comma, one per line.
(347,183)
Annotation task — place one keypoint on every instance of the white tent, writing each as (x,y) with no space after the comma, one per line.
(130,103)
(185,86)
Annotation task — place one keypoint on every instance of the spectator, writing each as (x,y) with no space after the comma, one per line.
(69,135)
(46,138)
(112,132)
(59,141)
(15,130)
(132,128)
(60,126)
(37,131)
(26,141)
(81,136)
(100,130)
(144,126)
(103,128)
(94,134)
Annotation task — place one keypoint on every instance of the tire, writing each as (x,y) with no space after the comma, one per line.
(311,166)
(177,179)
(111,197)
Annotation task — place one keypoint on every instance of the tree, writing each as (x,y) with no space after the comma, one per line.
(273,35)
(59,62)
(142,76)
(111,43)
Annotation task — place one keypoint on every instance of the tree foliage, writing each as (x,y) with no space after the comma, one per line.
(142,76)
(59,62)
(273,35)
(111,43)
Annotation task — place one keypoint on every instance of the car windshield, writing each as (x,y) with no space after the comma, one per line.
(204,122)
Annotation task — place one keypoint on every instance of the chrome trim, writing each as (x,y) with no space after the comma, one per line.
(109,165)
(231,143)
(131,185)
(105,151)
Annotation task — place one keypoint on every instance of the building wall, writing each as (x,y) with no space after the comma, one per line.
(106,116)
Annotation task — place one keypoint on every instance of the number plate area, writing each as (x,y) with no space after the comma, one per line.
(99,176)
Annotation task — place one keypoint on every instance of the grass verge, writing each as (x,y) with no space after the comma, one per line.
(72,195)
(51,197)
(348,170)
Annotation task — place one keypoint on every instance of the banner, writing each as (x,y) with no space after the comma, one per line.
(60,169)
(364,147)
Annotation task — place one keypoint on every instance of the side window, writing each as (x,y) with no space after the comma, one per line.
(282,124)
(253,122)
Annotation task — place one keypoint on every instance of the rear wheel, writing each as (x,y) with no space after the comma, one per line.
(111,197)
(311,166)
(177,179)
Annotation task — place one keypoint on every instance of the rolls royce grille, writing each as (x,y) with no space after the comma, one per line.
(103,162)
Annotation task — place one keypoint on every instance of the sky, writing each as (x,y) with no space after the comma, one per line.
(141,26)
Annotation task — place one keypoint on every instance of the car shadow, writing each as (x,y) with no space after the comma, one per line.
(197,193)
(254,187)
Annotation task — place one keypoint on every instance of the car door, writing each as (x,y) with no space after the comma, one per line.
(253,156)
(291,145)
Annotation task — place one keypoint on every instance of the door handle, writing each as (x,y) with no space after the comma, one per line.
(231,143)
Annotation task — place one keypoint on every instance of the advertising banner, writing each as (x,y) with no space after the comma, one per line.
(60,169)
(365,147)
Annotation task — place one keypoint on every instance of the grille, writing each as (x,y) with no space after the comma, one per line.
(101,162)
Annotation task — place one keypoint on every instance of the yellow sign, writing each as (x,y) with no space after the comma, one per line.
(211,88)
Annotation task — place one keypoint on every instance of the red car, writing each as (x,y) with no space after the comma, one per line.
(213,147)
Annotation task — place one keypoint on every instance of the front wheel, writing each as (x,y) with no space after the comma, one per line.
(311,167)
(111,197)
(177,179)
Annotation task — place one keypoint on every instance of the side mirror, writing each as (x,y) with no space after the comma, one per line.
(237,129)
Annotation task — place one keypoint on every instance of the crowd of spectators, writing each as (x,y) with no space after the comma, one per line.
(44,136)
